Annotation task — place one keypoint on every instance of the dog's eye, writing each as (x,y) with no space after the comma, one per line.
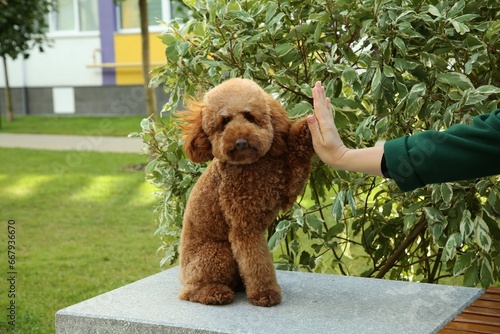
(224,121)
(249,117)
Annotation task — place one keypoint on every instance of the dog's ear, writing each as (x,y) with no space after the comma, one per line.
(281,126)
(196,143)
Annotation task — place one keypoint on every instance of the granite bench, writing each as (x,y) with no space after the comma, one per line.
(312,303)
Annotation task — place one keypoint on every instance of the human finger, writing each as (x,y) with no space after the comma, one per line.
(313,125)
(322,107)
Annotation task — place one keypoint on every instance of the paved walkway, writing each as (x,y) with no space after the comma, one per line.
(78,143)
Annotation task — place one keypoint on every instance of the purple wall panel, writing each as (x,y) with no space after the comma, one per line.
(107,27)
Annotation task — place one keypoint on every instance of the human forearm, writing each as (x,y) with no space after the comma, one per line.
(364,160)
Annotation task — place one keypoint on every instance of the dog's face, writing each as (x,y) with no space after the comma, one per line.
(240,122)
(237,120)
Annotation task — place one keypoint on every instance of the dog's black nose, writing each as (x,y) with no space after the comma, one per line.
(241,144)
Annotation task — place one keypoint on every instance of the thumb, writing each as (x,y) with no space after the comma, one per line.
(312,123)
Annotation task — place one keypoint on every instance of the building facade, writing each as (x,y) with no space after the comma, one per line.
(92,65)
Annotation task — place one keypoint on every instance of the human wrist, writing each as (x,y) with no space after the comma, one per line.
(342,158)
(364,160)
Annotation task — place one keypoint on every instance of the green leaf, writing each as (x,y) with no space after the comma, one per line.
(151,166)
(432,60)
(436,192)
(146,124)
(318,32)
(414,207)
(471,276)
(335,230)
(446,193)
(341,119)
(172,53)
(434,215)
(408,223)
(306,259)
(381,126)
(466,17)
(299,31)
(241,16)
(301,109)
(460,27)
(455,79)
(437,232)
(493,30)
(404,65)
(418,89)
(349,74)
(471,98)
(275,23)
(450,249)
(186,181)
(436,221)
(433,10)
(488,90)
(492,198)
(270,11)
(400,44)
(462,263)
(168,39)
(294,246)
(466,225)
(315,223)
(281,230)
(346,104)
(482,233)
(457,8)
(338,206)
(486,273)
(298,215)
(389,72)
(377,77)
(283,49)
(351,201)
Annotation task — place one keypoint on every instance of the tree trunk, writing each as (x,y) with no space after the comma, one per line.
(149,91)
(8,94)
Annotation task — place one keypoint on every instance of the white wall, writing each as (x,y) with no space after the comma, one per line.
(63,64)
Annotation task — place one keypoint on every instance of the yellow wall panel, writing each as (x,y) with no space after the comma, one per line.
(129,59)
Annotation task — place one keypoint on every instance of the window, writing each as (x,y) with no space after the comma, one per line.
(129,13)
(74,15)
(158,11)
(179,10)
(64,16)
(89,17)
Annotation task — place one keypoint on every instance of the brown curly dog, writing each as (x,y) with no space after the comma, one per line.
(261,162)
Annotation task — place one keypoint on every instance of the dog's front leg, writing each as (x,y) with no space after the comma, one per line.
(300,155)
(256,266)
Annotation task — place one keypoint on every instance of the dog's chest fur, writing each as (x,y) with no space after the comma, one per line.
(262,182)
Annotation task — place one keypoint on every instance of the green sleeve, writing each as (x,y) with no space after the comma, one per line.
(459,153)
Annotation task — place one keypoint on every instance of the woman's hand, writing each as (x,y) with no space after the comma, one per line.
(326,139)
(329,146)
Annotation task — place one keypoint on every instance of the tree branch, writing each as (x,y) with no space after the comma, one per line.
(422,225)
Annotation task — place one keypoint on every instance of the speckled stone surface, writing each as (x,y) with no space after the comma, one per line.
(312,303)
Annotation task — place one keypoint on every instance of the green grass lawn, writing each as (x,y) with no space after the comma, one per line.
(77,234)
(73,125)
